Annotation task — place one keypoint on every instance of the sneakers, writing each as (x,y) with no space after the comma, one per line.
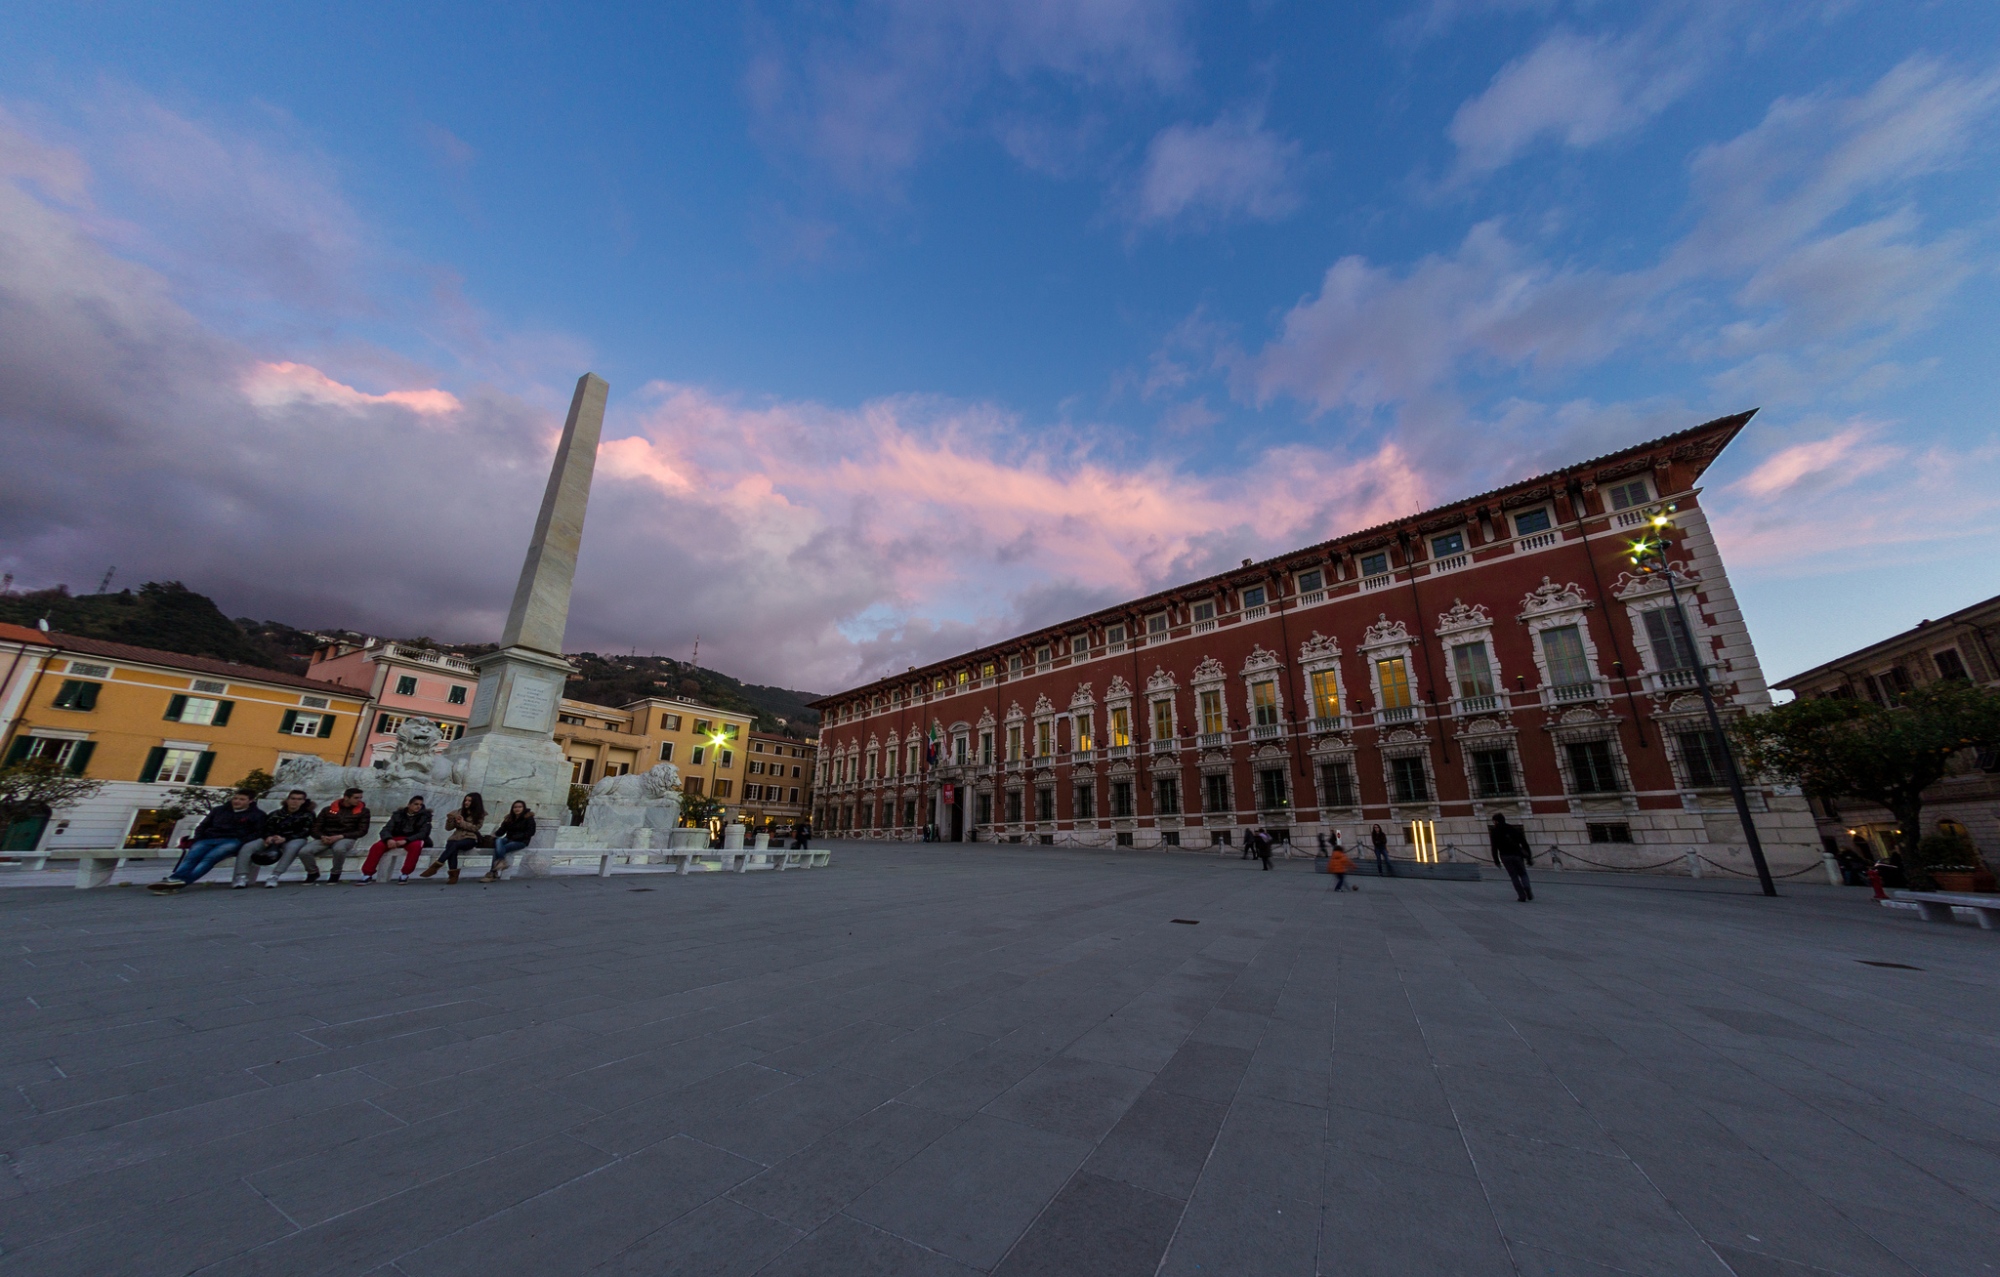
(402,877)
(333,877)
(270,882)
(313,878)
(238,885)
(169,884)
(364,880)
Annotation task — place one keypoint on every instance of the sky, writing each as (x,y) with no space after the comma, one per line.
(928,323)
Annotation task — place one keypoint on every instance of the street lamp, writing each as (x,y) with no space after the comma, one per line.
(715,743)
(1648,553)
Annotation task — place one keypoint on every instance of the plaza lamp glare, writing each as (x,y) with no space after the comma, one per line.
(1649,555)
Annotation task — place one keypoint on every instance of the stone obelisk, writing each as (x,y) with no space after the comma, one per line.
(508,750)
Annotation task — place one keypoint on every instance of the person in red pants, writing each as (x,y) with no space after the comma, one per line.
(409,828)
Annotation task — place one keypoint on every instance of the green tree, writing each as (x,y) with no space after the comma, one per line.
(1835,747)
(38,787)
(197,800)
(699,809)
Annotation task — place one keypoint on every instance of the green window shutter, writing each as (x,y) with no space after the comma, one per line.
(176,706)
(222,713)
(150,773)
(289,721)
(79,758)
(325,725)
(201,767)
(86,696)
(19,749)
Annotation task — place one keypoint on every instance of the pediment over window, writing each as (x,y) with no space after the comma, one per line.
(1210,671)
(1118,688)
(1160,681)
(1081,697)
(1044,706)
(1385,631)
(1638,585)
(1461,618)
(1259,659)
(1318,647)
(1550,597)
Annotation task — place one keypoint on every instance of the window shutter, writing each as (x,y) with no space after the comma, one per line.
(150,773)
(289,721)
(176,706)
(86,696)
(325,725)
(19,749)
(202,765)
(79,757)
(221,713)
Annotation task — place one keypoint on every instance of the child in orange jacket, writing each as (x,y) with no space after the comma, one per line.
(1339,866)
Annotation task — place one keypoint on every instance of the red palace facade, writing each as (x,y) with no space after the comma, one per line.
(1494,654)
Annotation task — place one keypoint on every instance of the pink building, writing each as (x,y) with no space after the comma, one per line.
(405,682)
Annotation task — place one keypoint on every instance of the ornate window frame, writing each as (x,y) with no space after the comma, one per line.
(1577,725)
(1162,686)
(1408,742)
(1264,665)
(1648,593)
(1381,641)
(1117,694)
(1487,733)
(1462,626)
(1550,606)
(1317,655)
(1210,676)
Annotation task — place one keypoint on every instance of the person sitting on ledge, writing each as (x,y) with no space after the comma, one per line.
(286,828)
(221,832)
(409,828)
(517,827)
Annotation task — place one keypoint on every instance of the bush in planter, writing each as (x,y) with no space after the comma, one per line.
(1941,853)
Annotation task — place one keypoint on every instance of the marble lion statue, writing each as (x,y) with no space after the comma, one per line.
(661,782)
(623,808)
(414,762)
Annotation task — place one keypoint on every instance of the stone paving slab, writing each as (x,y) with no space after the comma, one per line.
(950,1060)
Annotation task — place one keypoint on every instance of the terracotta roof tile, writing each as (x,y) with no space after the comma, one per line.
(235,670)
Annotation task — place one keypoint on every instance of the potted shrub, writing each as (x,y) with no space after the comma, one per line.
(1946,862)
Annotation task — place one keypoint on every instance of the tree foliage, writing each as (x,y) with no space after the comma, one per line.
(699,809)
(1835,747)
(37,785)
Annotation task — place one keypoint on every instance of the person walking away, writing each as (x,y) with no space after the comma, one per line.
(1264,841)
(805,835)
(339,825)
(515,831)
(221,833)
(408,830)
(1339,866)
(1510,852)
(1380,840)
(286,828)
(461,834)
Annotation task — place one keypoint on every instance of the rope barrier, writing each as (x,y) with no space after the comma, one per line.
(1570,855)
(1740,874)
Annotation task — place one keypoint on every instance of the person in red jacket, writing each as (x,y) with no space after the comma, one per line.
(409,828)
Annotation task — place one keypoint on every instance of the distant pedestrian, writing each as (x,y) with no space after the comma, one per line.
(1339,866)
(1510,852)
(1263,837)
(286,829)
(1319,840)
(222,832)
(335,830)
(1380,841)
(516,829)
(461,835)
(408,831)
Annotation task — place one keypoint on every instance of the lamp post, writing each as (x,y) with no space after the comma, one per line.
(715,743)
(1648,553)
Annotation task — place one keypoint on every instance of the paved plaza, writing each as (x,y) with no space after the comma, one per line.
(947,1060)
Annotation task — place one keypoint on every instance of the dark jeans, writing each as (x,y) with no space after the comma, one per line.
(452,848)
(1383,868)
(203,856)
(1340,882)
(1517,873)
(503,848)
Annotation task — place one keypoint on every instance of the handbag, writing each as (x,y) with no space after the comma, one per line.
(484,842)
(267,854)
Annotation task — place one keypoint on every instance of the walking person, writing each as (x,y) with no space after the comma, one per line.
(1380,841)
(1263,838)
(1510,852)
(221,833)
(461,834)
(408,830)
(515,831)
(334,832)
(1339,866)
(286,828)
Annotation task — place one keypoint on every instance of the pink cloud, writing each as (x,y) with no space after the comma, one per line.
(284,384)
(1836,460)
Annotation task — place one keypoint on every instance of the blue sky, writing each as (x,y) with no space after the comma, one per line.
(929,322)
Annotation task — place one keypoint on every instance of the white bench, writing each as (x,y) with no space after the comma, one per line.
(1937,906)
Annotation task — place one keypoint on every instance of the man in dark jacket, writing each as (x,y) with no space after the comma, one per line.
(219,834)
(408,831)
(1510,852)
(286,828)
(336,829)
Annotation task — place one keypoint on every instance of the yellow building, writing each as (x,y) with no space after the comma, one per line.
(706,743)
(146,721)
(778,779)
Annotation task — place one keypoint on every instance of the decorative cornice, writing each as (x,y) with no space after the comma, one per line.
(1319,647)
(1462,618)
(1118,688)
(1550,597)
(1385,631)
(1160,681)
(1081,697)
(1210,671)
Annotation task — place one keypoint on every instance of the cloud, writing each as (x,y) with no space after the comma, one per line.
(282,385)
(1581,89)
(1204,174)
(864,95)
(1838,459)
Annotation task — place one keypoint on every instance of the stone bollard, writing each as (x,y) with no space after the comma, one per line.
(1832,867)
(1694,863)
(763,842)
(732,836)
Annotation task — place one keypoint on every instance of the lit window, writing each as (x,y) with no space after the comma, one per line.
(1326,694)
(1264,703)
(1121,726)
(1447,545)
(1081,727)
(1529,522)
(1394,676)
(964,677)
(1627,495)
(986,670)
(1375,564)
(1211,712)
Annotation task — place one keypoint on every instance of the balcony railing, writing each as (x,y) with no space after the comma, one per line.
(1683,676)
(1213,740)
(1081,755)
(1380,581)
(1449,563)
(1121,751)
(1266,731)
(1203,627)
(1322,726)
(1478,704)
(1165,746)
(1563,693)
(1539,541)
(1397,714)
(1311,597)
(1628,518)
(1252,613)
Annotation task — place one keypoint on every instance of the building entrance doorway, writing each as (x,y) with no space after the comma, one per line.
(955,820)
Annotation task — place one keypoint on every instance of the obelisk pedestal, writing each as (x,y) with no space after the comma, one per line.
(508,751)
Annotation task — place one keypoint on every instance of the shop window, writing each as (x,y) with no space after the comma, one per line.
(151,827)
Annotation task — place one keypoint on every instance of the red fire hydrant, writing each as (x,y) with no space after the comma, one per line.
(1875,881)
